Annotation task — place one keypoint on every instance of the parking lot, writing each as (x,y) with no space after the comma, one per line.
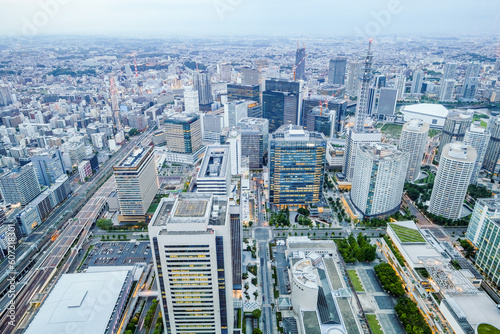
(118,254)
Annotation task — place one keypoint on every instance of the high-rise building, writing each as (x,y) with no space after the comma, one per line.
(492,157)
(452,180)
(254,134)
(296,166)
(387,101)
(471,81)
(243,92)
(281,103)
(321,120)
(380,81)
(336,72)
(214,175)
(400,85)
(235,111)
(48,166)
(353,82)
(192,251)
(249,76)
(454,128)
(20,185)
(300,64)
(449,71)
(379,178)
(329,102)
(212,124)
(414,140)
(477,137)
(183,133)
(232,137)
(484,233)
(5,96)
(203,84)
(136,183)
(417,81)
(447,90)
(224,71)
(191,100)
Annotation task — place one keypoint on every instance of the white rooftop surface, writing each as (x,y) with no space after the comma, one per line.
(478,308)
(427,109)
(79,301)
(101,269)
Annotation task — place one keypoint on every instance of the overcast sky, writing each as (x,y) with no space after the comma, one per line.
(164,18)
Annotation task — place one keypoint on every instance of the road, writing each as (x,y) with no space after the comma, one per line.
(42,275)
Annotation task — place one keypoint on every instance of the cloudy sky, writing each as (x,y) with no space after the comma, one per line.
(163,18)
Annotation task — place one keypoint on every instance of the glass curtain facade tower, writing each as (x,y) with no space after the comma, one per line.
(297,164)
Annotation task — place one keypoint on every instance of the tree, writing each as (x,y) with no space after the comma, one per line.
(250,223)
(256,331)
(133,132)
(256,313)
(104,224)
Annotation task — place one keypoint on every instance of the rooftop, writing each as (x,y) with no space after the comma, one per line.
(406,234)
(135,157)
(381,151)
(416,125)
(83,300)
(429,109)
(459,151)
(215,162)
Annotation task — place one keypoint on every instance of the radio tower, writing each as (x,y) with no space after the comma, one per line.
(362,107)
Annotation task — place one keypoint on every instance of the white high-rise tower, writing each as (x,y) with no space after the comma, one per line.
(413,140)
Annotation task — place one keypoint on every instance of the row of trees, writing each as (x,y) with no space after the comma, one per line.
(280,218)
(389,279)
(410,316)
(357,249)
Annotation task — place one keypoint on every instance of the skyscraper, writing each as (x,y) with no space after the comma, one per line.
(5,96)
(484,233)
(203,84)
(452,180)
(224,72)
(336,72)
(183,133)
(471,81)
(353,83)
(477,137)
(372,99)
(300,63)
(387,101)
(454,128)
(20,185)
(379,179)
(362,111)
(491,159)
(417,81)
(254,134)
(136,183)
(449,71)
(191,100)
(333,104)
(281,102)
(400,85)
(320,119)
(192,251)
(249,76)
(243,92)
(414,140)
(214,175)
(234,111)
(447,90)
(48,166)
(296,166)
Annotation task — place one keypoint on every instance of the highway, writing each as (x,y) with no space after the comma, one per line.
(42,275)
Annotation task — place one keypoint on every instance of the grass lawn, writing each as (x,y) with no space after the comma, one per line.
(393,130)
(355,280)
(434,132)
(406,234)
(487,329)
(374,325)
(153,206)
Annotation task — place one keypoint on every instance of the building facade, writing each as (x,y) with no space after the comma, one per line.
(336,71)
(136,182)
(452,180)
(183,133)
(455,126)
(296,166)
(214,175)
(414,140)
(20,185)
(491,160)
(379,178)
(192,250)
(48,166)
(254,133)
(477,137)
